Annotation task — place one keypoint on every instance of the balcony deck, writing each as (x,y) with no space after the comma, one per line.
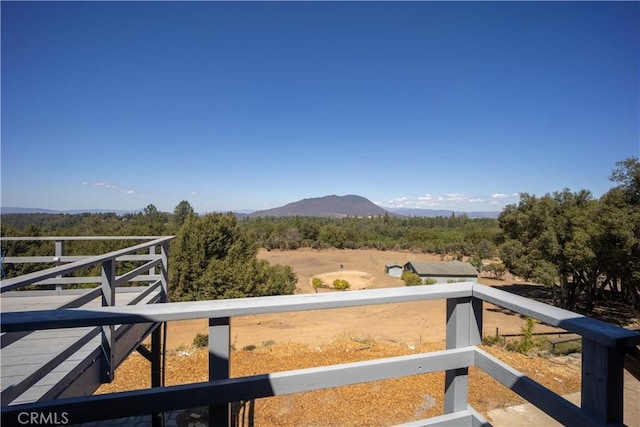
(51,364)
(72,355)
(604,348)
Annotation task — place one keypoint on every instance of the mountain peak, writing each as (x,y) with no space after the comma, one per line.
(328,206)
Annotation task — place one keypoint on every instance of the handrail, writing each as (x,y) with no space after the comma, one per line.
(74,317)
(30,278)
(604,346)
(600,331)
(58,238)
(107,283)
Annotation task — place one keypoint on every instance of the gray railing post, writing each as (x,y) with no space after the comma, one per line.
(464,328)
(219,366)
(108,336)
(59,253)
(602,382)
(164,271)
(152,251)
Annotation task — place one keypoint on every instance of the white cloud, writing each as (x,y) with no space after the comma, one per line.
(109,186)
(457,198)
(452,201)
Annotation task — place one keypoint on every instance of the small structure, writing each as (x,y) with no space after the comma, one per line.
(443,272)
(394,269)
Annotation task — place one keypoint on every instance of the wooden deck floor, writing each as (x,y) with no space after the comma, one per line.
(64,362)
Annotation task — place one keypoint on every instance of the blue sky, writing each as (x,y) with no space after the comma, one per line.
(239,105)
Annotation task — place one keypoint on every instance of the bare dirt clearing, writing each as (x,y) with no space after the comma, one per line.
(410,323)
(314,338)
(379,403)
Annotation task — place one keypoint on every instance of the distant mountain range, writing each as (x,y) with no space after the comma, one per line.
(13,210)
(329,206)
(441,212)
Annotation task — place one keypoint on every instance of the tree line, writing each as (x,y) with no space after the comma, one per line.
(577,245)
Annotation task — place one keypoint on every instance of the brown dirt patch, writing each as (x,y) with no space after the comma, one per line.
(373,404)
(321,337)
(357,279)
(410,323)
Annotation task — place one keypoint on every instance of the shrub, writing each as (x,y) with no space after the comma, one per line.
(316,282)
(201,340)
(526,344)
(476,261)
(340,284)
(430,281)
(411,279)
(492,340)
(496,269)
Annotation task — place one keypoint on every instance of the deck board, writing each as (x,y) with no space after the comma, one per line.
(21,359)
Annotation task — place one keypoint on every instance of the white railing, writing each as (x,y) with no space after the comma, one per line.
(604,347)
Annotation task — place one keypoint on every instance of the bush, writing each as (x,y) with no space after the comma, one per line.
(497,270)
(526,344)
(411,279)
(316,282)
(476,261)
(430,281)
(340,284)
(201,340)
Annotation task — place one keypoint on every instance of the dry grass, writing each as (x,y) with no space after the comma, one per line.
(379,403)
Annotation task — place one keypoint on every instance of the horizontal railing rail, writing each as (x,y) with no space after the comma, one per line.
(154,291)
(54,274)
(603,350)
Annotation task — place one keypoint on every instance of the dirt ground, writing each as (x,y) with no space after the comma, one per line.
(408,323)
(272,343)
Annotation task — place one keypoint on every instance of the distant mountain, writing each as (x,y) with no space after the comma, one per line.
(431,213)
(328,206)
(419,212)
(5,210)
(12,210)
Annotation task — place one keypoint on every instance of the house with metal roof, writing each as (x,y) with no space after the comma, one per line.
(443,272)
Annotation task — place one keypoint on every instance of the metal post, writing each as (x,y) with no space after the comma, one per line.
(108,335)
(464,328)
(219,366)
(602,382)
(157,420)
(59,253)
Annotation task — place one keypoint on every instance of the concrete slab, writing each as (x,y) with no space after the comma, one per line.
(527,415)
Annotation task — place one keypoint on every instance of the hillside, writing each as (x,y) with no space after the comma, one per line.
(328,206)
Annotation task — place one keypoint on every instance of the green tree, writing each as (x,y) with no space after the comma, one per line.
(182,211)
(212,258)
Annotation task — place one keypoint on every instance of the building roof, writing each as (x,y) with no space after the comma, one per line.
(394,264)
(452,268)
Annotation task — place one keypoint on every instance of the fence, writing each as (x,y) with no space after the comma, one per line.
(70,358)
(604,348)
